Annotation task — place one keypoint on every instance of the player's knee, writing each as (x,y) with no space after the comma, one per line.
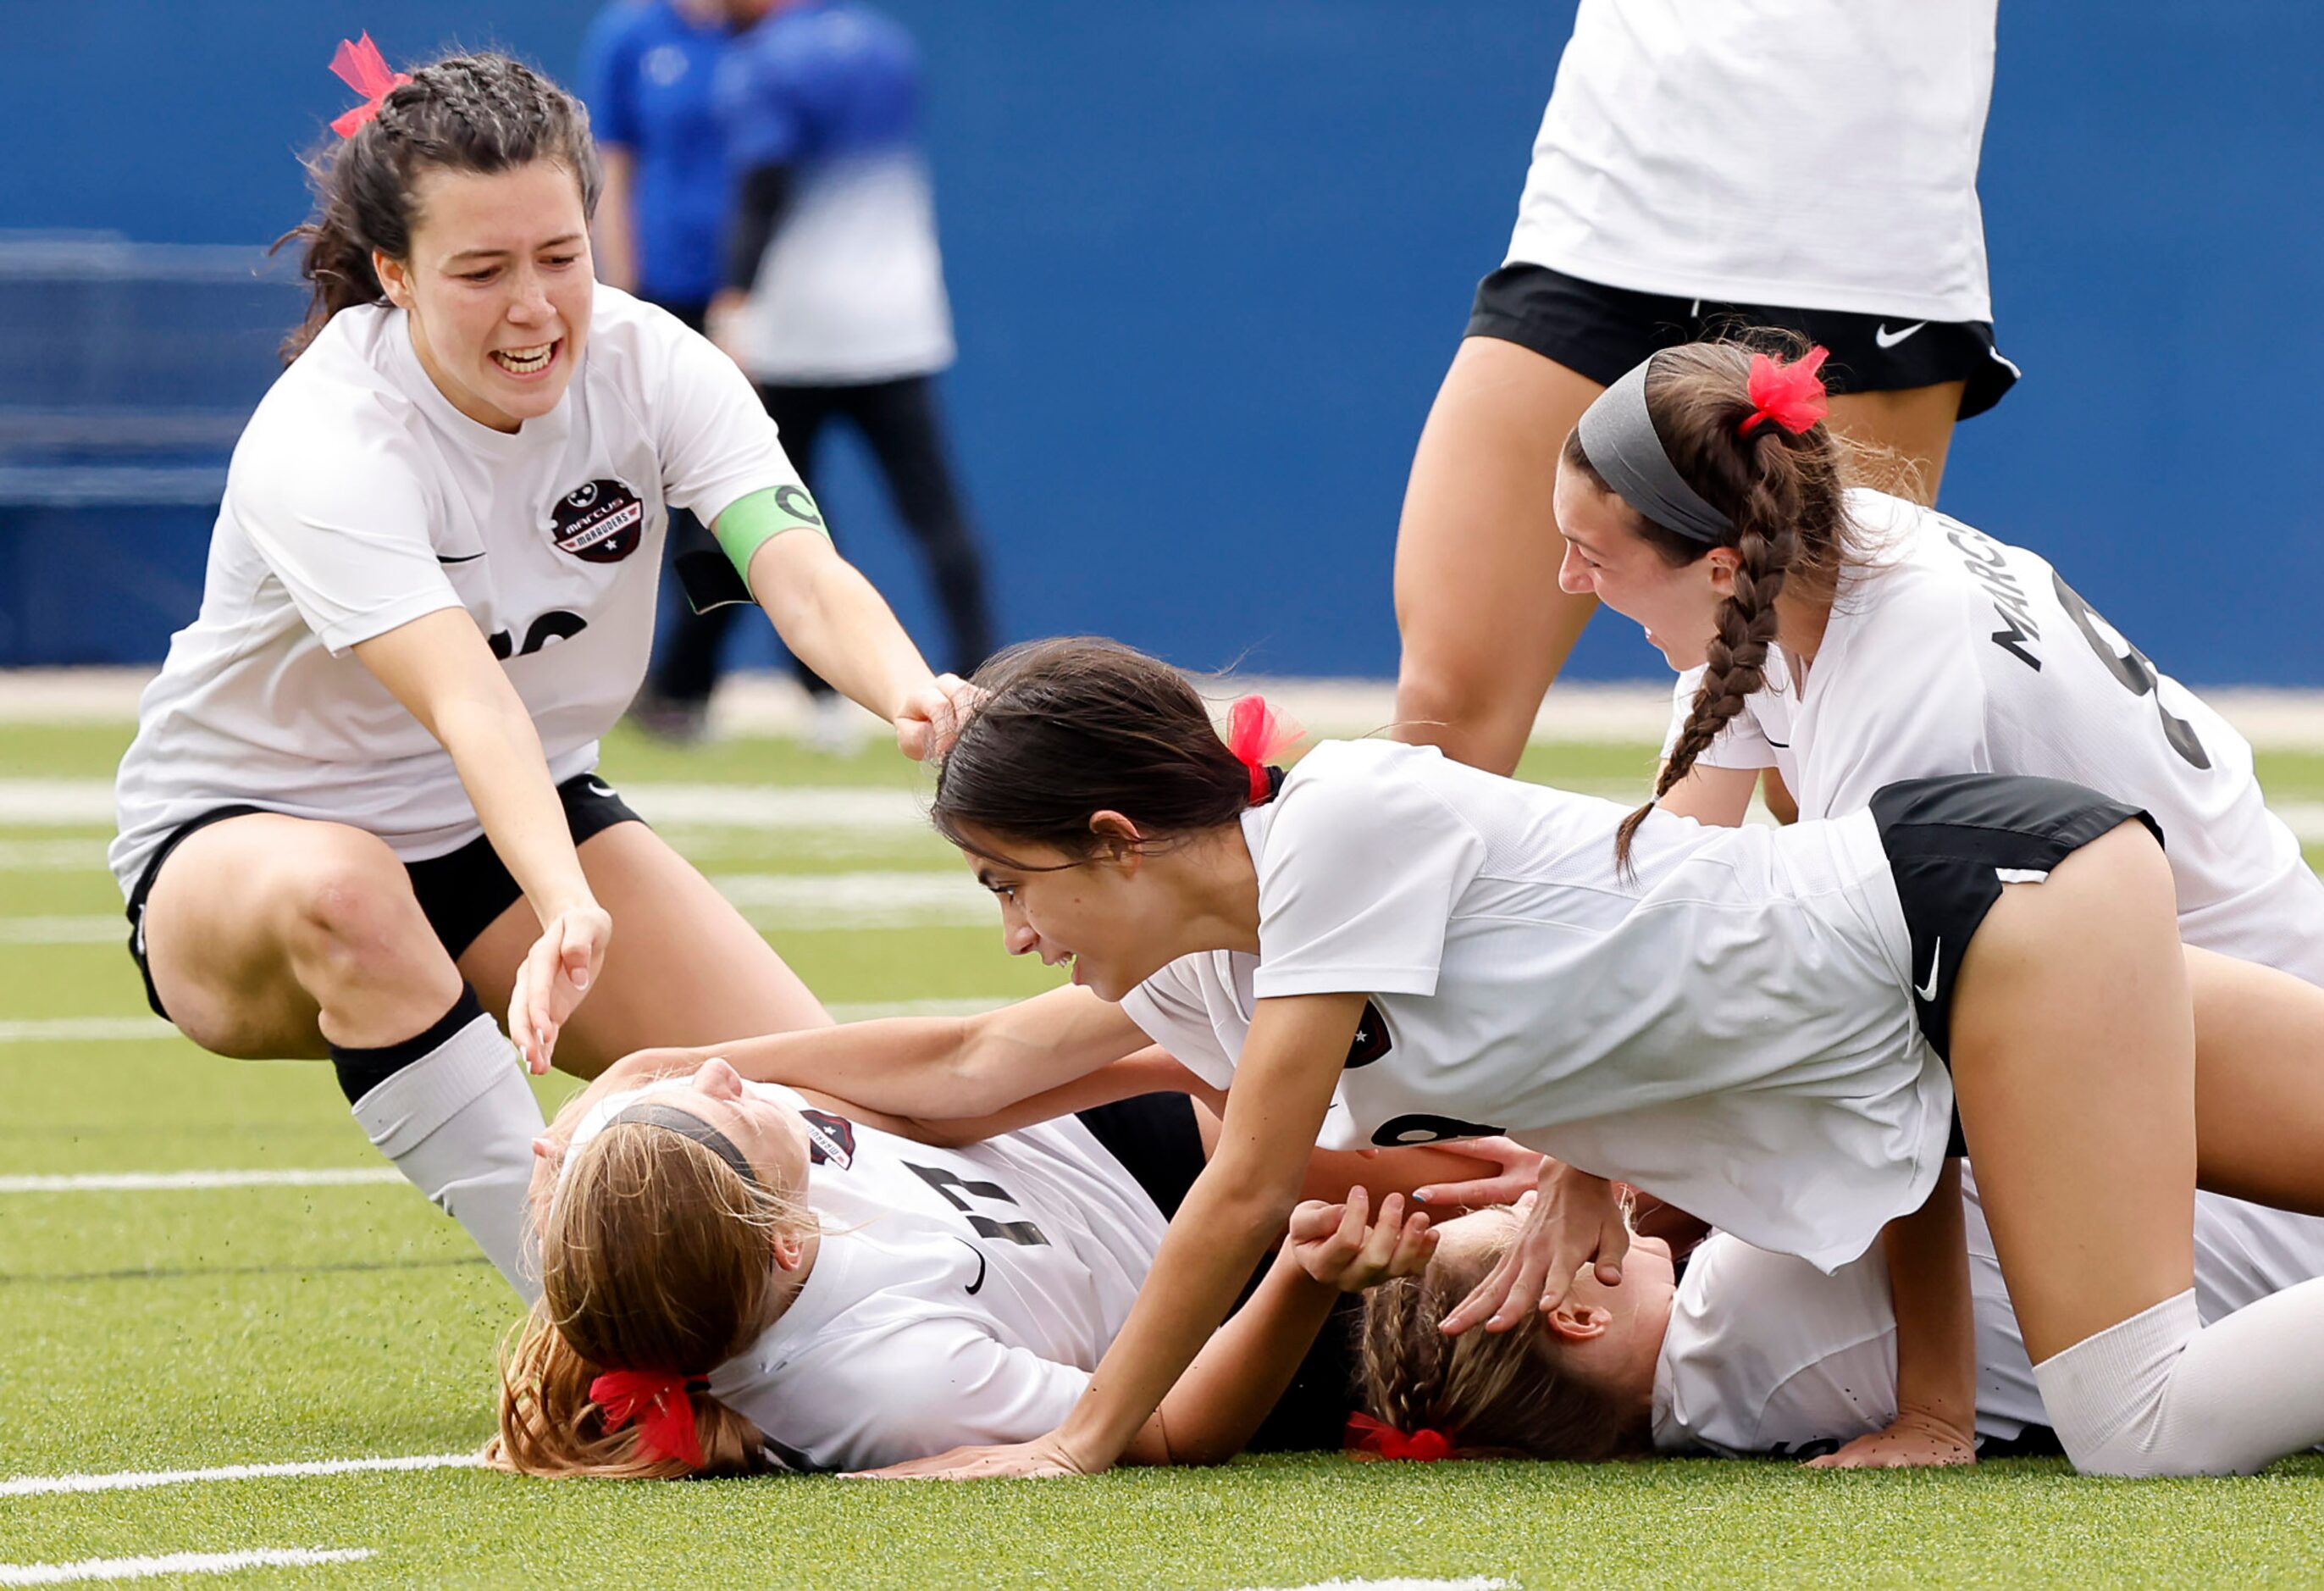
(1467,711)
(352,919)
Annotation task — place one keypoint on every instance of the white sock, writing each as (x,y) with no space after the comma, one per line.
(459,1124)
(2162,1395)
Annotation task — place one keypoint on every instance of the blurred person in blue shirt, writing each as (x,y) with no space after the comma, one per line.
(833,298)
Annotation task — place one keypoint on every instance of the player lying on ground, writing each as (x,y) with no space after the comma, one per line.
(1740,1352)
(1849,639)
(736,1276)
(1755,1025)
(363,792)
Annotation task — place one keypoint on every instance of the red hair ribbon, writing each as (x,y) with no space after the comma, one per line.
(1257,735)
(361,66)
(1368,1436)
(1791,396)
(663,1406)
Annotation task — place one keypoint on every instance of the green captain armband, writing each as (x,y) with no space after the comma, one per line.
(748,525)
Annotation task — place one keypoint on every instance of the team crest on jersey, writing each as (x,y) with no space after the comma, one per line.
(830,1139)
(1371,1041)
(599,521)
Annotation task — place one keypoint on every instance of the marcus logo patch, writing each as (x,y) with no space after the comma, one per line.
(602,522)
(830,1139)
(1371,1041)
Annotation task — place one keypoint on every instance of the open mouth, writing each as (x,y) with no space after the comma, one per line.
(525,361)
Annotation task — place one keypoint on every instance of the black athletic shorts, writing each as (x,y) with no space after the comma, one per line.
(1953,842)
(1155,1138)
(1601,332)
(460,892)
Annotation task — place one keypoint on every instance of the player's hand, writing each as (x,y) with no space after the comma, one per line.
(1911,1442)
(931,715)
(1520,1170)
(1042,1459)
(1338,1246)
(1576,1218)
(558,971)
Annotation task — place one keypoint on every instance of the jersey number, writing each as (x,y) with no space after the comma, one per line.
(944,1182)
(2131,670)
(555,624)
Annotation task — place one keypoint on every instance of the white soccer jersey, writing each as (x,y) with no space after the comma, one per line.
(359,499)
(958,1296)
(1808,153)
(1957,653)
(1729,1027)
(1765,1355)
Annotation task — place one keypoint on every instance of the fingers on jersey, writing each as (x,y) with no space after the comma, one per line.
(268,936)
(691,970)
(1483,625)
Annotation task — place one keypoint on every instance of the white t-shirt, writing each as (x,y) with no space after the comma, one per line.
(1957,653)
(359,499)
(960,1296)
(1765,1355)
(1729,1027)
(1805,153)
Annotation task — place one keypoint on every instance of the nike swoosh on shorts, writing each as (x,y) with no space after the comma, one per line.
(1889,339)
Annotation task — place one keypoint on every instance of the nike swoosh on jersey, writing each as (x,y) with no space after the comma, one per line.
(979,1253)
(598,786)
(1889,339)
(1928,991)
(464,558)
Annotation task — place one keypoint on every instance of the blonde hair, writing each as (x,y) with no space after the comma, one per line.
(654,1256)
(1505,1394)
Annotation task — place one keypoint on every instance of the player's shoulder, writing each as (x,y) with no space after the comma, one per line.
(339,409)
(637,349)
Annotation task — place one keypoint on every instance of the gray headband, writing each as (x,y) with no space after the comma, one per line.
(687,1125)
(1618,438)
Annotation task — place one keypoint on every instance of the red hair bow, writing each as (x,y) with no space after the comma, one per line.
(663,1406)
(1791,396)
(1257,735)
(361,66)
(1369,1436)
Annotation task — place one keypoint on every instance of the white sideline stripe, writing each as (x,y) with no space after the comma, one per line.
(94,929)
(1470,1582)
(116,1030)
(176,1563)
(173,1181)
(138,1480)
(882,808)
(52,855)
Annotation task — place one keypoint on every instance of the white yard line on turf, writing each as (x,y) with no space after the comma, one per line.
(176,1563)
(1472,1583)
(52,855)
(885,808)
(118,1030)
(179,1181)
(138,1480)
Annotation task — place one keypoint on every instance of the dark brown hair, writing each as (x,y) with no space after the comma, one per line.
(466,113)
(1077,726)
(1782,495)
(1495,1394)
(654,1255)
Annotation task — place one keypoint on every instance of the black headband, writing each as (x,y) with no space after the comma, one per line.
(649,1113)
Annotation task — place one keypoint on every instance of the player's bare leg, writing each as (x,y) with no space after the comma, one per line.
(1484,627)
(685,968)
(2259,1082)
(1916,423)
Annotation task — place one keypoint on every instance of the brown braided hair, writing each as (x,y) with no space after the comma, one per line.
(1782,495)
(480,112)
(1504,1394)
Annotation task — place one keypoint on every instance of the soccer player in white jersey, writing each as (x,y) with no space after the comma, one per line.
(834,1295)
(1385,946)
(1739,1352)
(1857,639)
(1810,164)
(362,806)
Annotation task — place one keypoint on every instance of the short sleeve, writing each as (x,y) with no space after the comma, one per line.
(1360,869)
(761,118)
(345,527)
(609,76)
(1169,1009)
(712,434)
(1738,743)
(941,1382)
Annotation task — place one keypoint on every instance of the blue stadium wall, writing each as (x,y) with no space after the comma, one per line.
(1210,257)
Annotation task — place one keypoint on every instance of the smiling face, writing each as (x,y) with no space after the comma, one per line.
(1606,557)
(498,287)
(1104,915)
